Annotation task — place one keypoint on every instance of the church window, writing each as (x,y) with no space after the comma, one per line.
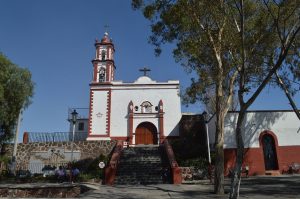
(146,107)
(102,74)
(136,108)
(80,126)
(156,108)
(103,55)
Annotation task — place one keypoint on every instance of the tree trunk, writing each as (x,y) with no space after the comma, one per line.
(219,169)
(236,177)
(219,142)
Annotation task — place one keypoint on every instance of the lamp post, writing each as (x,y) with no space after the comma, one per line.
(74,119)
(205,116)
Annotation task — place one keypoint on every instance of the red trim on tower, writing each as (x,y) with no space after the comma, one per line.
(108,52)
(97,52)
(108,72)
(108,112)
(112,73)
(90,112)
(161,121)
(95,71)
(130,121)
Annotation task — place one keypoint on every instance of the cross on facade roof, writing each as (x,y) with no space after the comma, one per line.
(145,70)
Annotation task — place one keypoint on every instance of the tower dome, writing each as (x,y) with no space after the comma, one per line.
(105,38)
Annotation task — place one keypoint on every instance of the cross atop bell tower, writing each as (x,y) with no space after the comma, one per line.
(103,63)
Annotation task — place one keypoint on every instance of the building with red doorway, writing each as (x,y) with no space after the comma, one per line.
(271,140)
(139,112)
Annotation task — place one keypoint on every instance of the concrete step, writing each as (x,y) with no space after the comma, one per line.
(142,159)
(272,173)
(139,170)
(140,164)
(142,171)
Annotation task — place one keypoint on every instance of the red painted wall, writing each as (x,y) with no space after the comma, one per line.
(255,160)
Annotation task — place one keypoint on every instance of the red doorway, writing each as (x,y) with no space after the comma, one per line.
(269,151)
(146,133)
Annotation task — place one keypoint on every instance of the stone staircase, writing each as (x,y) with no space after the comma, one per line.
(141,165)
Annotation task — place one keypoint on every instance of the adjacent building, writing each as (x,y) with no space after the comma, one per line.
(271,140)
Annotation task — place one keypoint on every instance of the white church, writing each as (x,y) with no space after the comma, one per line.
(146,112)
(139,112)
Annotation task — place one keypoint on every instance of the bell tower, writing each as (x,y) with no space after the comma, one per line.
(104,66)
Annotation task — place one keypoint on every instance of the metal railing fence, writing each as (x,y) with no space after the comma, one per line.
(55,136)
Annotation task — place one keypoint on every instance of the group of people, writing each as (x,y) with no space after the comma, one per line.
(69,174)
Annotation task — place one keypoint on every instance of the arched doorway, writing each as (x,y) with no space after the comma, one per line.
(269,150)
(146,133)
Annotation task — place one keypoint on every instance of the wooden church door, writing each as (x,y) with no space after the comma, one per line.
(270,155)
(146,133)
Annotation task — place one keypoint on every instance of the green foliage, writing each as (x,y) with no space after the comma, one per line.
(41,179)
(187,148)
(191,148)
(16,91)
(90,167)
(94,168)
(88,176)
(198,163)
(4,159)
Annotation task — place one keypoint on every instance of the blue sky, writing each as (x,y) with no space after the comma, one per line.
(55,41)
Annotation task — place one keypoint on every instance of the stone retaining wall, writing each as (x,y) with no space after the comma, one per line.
(57,152)
(40,191)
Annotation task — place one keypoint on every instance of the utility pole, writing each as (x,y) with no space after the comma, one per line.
(14,157)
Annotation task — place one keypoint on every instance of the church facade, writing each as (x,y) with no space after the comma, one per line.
(139,112)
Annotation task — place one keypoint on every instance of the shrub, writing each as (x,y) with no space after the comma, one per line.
(198,163)
(89,168)
(4,159)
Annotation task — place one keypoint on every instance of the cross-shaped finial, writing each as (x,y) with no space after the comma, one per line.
(106,27)
(145,70)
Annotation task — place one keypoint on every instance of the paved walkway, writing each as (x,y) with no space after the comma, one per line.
(252,187)
(264,187)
